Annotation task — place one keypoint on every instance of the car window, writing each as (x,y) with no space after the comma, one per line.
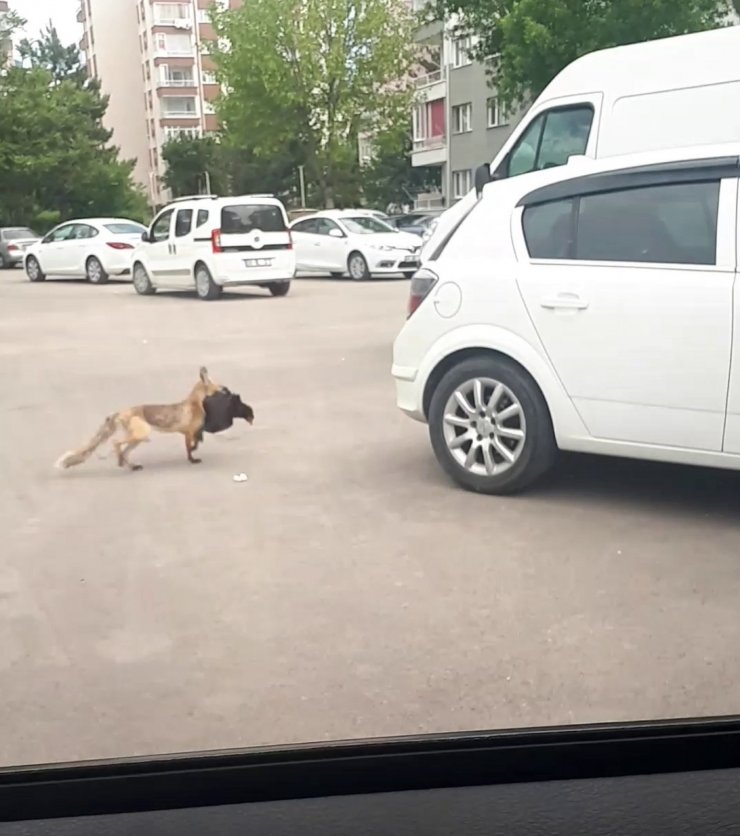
(125,229)
(550,140)
(366,225)
(673,224)
(183,222)
(202,218)
(63,233)
(18,234)
(245,218)
(308,226)
(324,226)
(83,232)
(548,229)
(161,226)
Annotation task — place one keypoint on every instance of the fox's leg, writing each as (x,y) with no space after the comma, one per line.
(191,445)
(138,431)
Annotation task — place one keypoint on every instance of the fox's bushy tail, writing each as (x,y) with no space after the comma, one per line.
(75,457)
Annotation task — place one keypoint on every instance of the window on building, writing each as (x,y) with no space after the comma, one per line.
(179,106)
(461,51)
(462,182)
(165,13)
(180,44)
(209,77)
(495,116)
(674,223)
(462,118)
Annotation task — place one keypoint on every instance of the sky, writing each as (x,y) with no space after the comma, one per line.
(38,13)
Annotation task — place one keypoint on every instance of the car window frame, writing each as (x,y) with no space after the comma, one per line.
(51,238)
(305,223)
(331,224)
(169,211)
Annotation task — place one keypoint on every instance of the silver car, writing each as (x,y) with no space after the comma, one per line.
(14,241)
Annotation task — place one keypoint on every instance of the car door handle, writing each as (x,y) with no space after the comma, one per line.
(564,301)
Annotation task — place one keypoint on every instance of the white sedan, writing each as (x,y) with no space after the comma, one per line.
(93,248)
(350,242)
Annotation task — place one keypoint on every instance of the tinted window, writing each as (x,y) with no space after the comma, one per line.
(550,140)
(548,229)
(83,231)
(239,220)
(125,229)
(324,226)
(305,226)
(673,224)
(161,227)
(202,217)
(18,234)
(183,223)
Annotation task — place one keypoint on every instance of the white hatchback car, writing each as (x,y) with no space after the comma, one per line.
(591,308)
(91,248)
(210,243)
(355,242)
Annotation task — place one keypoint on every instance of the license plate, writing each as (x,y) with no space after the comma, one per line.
(258,262)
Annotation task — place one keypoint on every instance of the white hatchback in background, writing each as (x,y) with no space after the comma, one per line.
(591,308)
(92,248)
(354,242)
(207,244)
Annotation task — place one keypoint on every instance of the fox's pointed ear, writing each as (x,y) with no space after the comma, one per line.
(204,374)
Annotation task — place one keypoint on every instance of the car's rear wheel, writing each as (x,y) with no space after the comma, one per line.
(357,267)
(142,283)
(279,288)
(3,263)
(33,269)
(205,287)
(490,427)
(95,271)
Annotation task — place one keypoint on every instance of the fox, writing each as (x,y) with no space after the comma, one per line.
(137,422)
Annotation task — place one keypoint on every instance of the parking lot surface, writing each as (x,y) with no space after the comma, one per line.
(346,589)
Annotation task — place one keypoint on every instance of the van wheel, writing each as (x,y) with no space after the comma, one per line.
(357,267)
(205,287)
(95,272)
(33,270)
(490,427)
(279,288)
(142,283)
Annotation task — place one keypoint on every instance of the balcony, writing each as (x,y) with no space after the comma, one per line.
(431,87)
(430,78)
(429,143)
(429,150)
(184,23)
(176,82)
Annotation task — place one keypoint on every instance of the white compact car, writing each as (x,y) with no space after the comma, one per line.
(590,307)
(91,248)
(354,242)
(210,243)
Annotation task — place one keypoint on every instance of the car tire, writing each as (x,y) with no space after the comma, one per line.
(3,265)
(279,288)
(95,272)
(205,287)
(33,270)
(469,429)
(357,267)
(141,281)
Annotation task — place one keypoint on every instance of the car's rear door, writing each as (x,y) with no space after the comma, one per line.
(630,290)
(255,242)
(306,242)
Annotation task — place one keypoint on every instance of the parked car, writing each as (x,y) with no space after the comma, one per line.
(594,107)
(14,241)
(354,242)
(210,243)
(589,308)
(92,248)
(417,223)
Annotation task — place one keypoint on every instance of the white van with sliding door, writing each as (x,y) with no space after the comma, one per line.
(207,244)
(667,93)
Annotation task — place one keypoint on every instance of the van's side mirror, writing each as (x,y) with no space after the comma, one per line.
(483,177)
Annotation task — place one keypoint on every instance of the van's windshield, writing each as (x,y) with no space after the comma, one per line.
(245,218)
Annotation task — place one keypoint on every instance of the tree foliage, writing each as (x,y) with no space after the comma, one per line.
(310,75)
(55,154)
(527,42)
(390,179)
(63,63)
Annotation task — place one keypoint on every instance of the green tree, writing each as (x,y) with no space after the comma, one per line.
(311,74)
(390,178)
(188,159)
(10,23)
(527,42)
(63,63)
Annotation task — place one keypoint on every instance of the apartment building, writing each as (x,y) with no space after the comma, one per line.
(152,60)
(458,120)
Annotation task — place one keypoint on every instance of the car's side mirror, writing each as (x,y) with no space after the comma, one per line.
(483,177)
(336,233)
(145,237)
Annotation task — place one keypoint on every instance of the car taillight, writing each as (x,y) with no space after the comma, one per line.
(117,245)
(421,285)
(12,247)
(216,241)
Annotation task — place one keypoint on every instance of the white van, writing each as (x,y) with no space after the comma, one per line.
(668,93)
(209,243)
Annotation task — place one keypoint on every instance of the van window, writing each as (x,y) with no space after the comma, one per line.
(183,223)
(161,226)
(202,218)
(550,140)
(242,219)
(669,224)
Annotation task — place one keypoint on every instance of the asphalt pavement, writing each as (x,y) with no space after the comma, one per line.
(346,588)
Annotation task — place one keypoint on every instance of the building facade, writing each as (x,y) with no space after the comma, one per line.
(152,59)
(458,121)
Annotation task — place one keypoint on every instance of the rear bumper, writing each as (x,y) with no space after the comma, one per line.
(409,392)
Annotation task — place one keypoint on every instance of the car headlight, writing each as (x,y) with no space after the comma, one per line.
(383,248)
